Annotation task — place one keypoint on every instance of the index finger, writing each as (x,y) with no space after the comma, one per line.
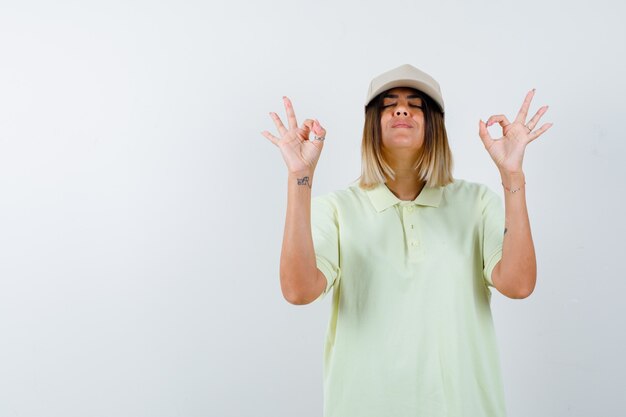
(291,115)
(523,112)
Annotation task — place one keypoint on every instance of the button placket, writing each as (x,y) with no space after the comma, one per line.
(409,214)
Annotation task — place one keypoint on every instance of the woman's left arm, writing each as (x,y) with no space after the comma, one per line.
(515,275)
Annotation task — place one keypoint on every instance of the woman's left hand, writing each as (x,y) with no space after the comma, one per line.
(508,151)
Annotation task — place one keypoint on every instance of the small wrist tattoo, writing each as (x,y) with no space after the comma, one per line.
(505,229)
(304,181)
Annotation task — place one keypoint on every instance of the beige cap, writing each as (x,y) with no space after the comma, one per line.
(405,76)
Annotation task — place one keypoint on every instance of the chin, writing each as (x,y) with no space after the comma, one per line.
(409,143)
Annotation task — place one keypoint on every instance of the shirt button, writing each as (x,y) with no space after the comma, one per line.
(414,243)
(410,208)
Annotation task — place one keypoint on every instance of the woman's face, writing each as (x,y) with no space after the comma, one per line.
(402,121)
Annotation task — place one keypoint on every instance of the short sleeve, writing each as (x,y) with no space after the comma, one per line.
(493,232)
(325,233)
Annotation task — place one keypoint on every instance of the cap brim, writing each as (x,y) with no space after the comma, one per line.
(410,84)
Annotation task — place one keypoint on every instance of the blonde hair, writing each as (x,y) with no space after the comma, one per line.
(435,159)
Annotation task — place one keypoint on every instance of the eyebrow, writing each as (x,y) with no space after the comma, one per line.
(396,96)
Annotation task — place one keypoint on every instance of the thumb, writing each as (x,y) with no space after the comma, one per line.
(318,129)
(306,128)
(484,134)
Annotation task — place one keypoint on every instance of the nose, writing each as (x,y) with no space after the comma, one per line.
(401,110)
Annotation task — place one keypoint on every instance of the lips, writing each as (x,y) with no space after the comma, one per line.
(405,125)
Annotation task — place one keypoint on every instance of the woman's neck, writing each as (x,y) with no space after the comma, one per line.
(407,185)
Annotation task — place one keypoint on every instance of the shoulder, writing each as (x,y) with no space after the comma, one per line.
(468,190)
(333,207)
(463,193)
(344,198)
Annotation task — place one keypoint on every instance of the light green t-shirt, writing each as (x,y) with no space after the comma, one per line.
(410,331)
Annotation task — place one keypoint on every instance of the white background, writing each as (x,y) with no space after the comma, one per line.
(141,211)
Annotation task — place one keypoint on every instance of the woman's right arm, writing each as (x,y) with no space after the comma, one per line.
(300,280)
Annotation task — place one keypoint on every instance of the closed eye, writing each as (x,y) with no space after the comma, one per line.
(410,105)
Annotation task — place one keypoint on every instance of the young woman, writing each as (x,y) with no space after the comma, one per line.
(411,253)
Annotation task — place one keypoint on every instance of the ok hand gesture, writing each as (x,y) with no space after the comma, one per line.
(508,151)
(299,152)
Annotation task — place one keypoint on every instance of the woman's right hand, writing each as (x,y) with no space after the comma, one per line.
(299,152)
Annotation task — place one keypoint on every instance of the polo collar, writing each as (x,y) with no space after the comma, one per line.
(382,198)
